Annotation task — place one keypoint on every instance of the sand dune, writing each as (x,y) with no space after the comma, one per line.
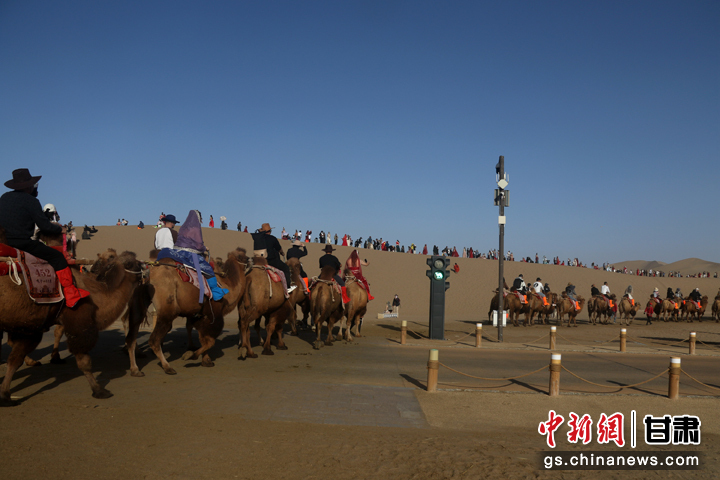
(689,266)
(396,273)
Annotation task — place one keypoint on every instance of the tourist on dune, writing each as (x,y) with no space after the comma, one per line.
(20,211)
(189,249)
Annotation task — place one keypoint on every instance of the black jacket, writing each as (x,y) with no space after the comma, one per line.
(296,252)
(262,240)
(20,212)
(594,291)
(331,260)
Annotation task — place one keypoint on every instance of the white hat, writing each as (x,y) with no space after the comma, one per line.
(49,208)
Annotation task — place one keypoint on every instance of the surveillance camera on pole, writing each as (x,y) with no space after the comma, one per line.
(502,200)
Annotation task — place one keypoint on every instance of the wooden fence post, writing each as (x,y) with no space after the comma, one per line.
(623,339)
(478,334)
(674,380)
(553,333)
(555,368)
(433,365)
(403,332)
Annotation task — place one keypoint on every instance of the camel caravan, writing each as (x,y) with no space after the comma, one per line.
(538,300)
(178,281)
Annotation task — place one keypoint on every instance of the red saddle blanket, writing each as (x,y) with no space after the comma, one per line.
(188,274)
(41,282)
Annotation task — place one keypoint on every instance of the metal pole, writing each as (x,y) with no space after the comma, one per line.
(501,299)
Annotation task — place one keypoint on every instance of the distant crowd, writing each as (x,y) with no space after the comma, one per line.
(466,252)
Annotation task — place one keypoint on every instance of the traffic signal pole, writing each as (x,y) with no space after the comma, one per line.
(500,170)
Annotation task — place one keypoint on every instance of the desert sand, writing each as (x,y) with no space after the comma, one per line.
(360,409)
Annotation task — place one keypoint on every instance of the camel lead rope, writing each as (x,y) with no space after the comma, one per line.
(14,275)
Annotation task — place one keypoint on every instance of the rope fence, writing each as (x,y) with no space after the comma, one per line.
(555,367)
(554,335)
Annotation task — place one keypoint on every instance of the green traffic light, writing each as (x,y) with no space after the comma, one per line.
(439,275)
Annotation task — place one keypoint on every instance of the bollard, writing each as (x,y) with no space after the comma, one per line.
(554,374)
(478,334)
(623,339)
(432,365)
(553,332)
(674,381)
(692,343)
(403,332)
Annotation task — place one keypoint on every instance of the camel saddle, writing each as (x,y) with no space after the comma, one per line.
(188,274)
(41,282)
(520,296)
(315,280)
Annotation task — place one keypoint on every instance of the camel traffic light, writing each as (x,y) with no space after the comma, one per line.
(439,273)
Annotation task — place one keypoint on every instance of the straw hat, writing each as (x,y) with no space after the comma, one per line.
(265,227)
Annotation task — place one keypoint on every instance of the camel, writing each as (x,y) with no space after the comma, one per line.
(716,308)
(627,310)
(325,306)
(566,307)
(669,309)
(599,309)
(512,304)
(263,297)
(172,298)
(550,309)
(25,321)
(357,307)
(99,266)
(298,297)
(535,305)
(691,309)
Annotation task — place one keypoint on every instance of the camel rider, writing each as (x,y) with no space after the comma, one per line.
(678,294)
(519,285)
(628,293)
(656,295)
(570,292)
(20,211)
(189,249)
(594,292)
(354,266)
(538,287)
(605,290)
(546,288)
(298,250)
(166,237)
(695,296)
(330,260)
(266,245)
(670,295)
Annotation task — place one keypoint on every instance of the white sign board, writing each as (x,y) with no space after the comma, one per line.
(495,318)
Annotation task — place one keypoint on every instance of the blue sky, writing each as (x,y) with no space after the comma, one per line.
(377,118)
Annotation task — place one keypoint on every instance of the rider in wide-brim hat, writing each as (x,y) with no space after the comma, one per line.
(22,179)
(328,249)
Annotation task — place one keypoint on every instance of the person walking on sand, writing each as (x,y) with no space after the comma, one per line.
(396,305)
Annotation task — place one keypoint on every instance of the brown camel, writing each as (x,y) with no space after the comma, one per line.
(172,298)
(263,297)
(535,306)
(357,307)
(512,305)
(549,310)
(691,310)
(716,308)
(325,306)
(627,310)
(566,307)
(298,297)
(670,308)
(25,321)
(100,265)
(599,309)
